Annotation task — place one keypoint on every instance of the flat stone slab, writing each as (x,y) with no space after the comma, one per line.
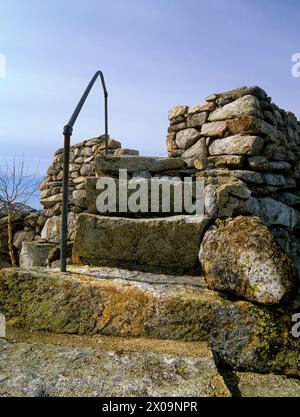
(163,197)
(111,164)
(104,272)
(84,302)
(168,242)
(46,369)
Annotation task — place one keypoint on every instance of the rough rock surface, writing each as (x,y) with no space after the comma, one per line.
(237,145)
(34,254)
(196,151)
(186,138)
(51,229)
(95,301)
(166,242)
(250,138)
(107,302)
(270,385)
(112,164)
(156,190)
(84,371)
(242,258)
(246,105)
(274,212)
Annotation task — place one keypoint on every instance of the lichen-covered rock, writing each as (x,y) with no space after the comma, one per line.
(22,236)
(269,385)
(165,193)
(237,145)
(255,338)
(177,112)
(164,242)
(187,137)
(249,176)
(214,129)
(51,370)
(126,151)
(117,302)
(225,161)
(107,301)
(247,125)
(51,229)
(244,106)
(197,119)
(290,244)
(210,201)
(242,258)
(51,201)
(197,108)
(198,150)
(174,128)
(231,95)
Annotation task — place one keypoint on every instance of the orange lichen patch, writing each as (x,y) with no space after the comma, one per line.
(244,124)
(76,260)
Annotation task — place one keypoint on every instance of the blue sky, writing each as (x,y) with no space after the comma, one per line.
(155,54)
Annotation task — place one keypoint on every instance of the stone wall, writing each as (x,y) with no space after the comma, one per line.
(245,147)
(82,156)
(248,151)
(27,225)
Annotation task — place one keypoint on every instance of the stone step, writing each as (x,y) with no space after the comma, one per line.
(116,302)
(110,164)
(156,244)
(107,301)
(116,366)
(67,365)
(143,197)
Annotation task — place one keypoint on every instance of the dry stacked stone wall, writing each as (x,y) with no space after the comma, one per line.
(248,151)
(82,156)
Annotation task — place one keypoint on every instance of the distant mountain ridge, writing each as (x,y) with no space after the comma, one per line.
(19,208)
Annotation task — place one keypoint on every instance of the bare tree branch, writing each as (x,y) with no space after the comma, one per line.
(16,187)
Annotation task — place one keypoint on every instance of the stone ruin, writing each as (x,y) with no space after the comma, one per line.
(229,277)
(244,147)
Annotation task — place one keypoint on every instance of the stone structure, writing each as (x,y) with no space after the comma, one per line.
(27,226)
(228,278)
(82,157)
(248,151)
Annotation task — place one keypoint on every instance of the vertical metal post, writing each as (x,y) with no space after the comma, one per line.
(68,130)
(106,122)
(64,212)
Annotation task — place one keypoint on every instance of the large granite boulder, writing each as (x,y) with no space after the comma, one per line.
(241,257)
(256,338)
